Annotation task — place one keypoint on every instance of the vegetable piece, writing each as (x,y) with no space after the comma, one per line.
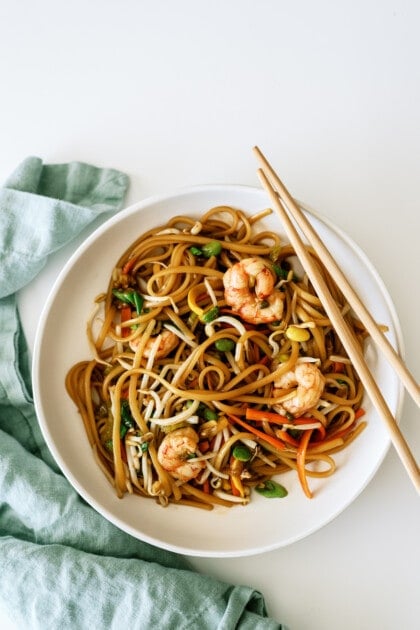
(269,416)
(210,414)
(276,418)
(130,297)
(127,420)
(300,462)
(264,436)
(213,248)
(280,271)
(209,315)
(125,315)
(242,453)
(271,489)
(286,437)
(196,251)
(205,316)
(129,265)
(225,345)
(294,333)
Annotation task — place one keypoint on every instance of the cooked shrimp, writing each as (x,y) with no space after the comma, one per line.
(310,385)
(249,290)
(174,451)
(168,341)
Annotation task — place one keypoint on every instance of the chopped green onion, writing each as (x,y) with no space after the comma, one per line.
(241,453)
(130,297)
(127,420)
(209,414)
(281,272)
(213,248)
(224,345)
(196,251)
(271,489)
(210,315)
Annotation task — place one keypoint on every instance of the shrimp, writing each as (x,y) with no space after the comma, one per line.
(168,341)
(310,385)
(174,451)
(249,290)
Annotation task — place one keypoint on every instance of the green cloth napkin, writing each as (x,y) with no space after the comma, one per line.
(62,565)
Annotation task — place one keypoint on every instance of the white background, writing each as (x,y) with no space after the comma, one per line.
(176,93)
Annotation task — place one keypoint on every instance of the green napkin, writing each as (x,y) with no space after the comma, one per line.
(62,564)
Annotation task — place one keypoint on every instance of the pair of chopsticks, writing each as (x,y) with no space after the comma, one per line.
(287,208)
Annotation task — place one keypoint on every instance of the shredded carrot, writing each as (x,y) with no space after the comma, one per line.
(359,413)
(125,316)
(206,486)
(286,437)
(300,462)
(338,366)
(264,436)
(129,265)
(233,486)
(269,416)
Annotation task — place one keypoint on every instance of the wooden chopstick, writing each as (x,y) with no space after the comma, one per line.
(281,201)
(353,299)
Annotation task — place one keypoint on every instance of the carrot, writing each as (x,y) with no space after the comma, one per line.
(125,316)
(233,486)
(286,437)
(129,265)
(264,436)
(206,486)
(300,462)
(359,413)
(338,366)
(269,416)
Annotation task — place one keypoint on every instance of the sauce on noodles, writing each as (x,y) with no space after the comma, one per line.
(214,367)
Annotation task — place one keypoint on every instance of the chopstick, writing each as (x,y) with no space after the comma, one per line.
(285,205)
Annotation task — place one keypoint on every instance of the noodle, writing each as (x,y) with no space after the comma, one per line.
(184,399)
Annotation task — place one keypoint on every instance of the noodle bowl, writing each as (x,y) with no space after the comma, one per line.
(193,397)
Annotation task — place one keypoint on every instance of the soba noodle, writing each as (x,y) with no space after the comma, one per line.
(182,399)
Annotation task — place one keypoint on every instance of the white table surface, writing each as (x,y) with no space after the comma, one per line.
(177,93)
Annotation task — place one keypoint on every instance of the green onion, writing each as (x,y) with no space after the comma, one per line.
(213,248)
(341,381)
(196,251)
(209,414)
(210,315)
(241,453)
(224,345)
(281,272)
(130,297)
(127,420)
(271,489)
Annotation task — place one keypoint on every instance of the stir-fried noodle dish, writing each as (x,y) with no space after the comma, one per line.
(214,367)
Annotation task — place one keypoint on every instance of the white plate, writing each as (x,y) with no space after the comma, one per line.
(264,524)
